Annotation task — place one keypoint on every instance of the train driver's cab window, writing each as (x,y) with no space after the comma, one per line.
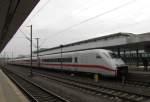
(98,56)
(76,60)
(113,55)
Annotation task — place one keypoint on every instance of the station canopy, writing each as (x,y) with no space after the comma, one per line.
(12,15)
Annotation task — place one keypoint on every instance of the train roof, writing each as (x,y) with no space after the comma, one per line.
(80,51)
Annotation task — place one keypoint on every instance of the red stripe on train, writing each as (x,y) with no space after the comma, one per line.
(83,66)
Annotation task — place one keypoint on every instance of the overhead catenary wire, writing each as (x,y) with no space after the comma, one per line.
(33,38)
(82,22)
(41,8)
(43,42)
(26,37)
(91,18)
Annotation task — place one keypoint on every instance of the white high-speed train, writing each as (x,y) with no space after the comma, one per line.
(99,61)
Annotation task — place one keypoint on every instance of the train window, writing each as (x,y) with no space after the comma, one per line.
(113,55)
(34,60)
(58,60)
(106,55)
(69,59)
(66,59)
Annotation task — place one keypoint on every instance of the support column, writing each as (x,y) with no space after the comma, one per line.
(61,47)
(119,52)
(137,56)
(124,55)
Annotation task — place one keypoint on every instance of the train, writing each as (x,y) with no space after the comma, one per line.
(99,61)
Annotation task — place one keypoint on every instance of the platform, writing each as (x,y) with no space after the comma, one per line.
(134,68)
(140,72)
(8,91)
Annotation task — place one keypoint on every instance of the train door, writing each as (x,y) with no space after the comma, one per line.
(75,62)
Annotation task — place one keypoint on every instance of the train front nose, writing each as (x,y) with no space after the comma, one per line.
(122,68)
(122,71)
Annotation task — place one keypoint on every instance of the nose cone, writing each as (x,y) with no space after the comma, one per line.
(118,62)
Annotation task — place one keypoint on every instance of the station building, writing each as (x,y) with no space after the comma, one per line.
(130,47)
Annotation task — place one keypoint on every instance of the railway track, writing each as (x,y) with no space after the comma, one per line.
(34,91)
(138,83)
(139,80)
(133,82)
(96,90)
(114,94)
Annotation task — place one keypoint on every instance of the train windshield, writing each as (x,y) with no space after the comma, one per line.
(113,55)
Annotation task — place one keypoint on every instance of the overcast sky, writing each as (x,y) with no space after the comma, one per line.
(58,22)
